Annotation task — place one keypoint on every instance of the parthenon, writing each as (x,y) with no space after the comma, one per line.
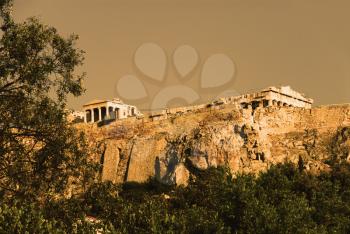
(272,96)
(282,96)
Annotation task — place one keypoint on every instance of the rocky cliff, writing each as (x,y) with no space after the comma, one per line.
(246,141)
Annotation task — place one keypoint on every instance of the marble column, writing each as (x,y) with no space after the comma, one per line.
(269,103)
(99,114)
(107,112)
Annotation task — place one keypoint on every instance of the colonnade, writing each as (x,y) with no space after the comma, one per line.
(100,113)
(264,103)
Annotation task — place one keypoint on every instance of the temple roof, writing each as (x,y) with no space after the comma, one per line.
(96,101)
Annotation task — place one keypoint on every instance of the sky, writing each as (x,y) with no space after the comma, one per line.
(304,44)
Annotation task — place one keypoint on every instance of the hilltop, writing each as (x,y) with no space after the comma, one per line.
(245,140)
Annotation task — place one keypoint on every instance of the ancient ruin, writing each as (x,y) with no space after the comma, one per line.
(272,96)
(284,96)
(99,110)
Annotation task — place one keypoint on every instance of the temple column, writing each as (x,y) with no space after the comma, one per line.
(92,116)
(99,114)
(269,103)
(107,112)
(250,106)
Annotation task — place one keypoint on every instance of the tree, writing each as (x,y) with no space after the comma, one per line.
(39,151)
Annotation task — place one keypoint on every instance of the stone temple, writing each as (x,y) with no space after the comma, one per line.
(99,110)
(272,96)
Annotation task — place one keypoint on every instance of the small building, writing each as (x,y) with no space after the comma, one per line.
(99,110)
(272,96)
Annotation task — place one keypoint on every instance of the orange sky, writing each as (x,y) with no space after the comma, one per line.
(305,44)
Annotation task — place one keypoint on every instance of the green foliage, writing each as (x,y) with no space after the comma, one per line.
(21,219)
(30,218)
(284,199)
(40,153)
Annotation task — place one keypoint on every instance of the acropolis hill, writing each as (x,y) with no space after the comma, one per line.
(248,134)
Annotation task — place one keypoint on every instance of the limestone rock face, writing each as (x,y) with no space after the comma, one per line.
(110,161)
(198,162)
(182,175)
(142,155)
(244,140)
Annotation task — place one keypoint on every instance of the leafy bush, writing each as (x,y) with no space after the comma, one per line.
(26,218)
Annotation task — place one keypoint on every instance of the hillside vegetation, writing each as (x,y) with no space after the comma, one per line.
(285,199)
